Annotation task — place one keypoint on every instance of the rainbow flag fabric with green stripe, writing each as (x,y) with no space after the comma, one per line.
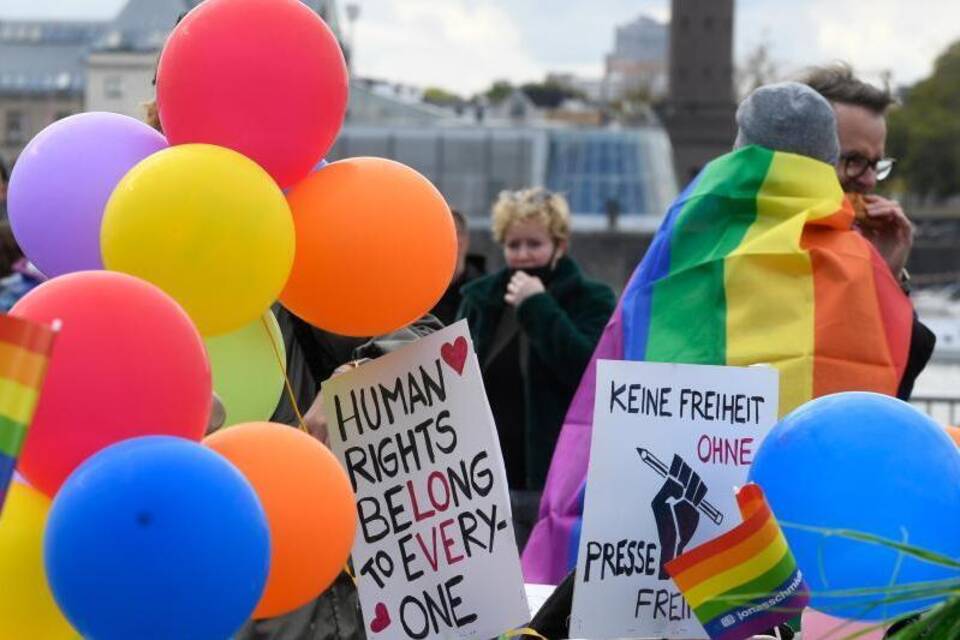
(745,581)
(763,266)
(756,262)
(25,349)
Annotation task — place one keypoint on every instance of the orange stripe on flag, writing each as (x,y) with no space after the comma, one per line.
(24,333)
(732,557)
(21,365)
(708,550)
(852,351)
(896,312)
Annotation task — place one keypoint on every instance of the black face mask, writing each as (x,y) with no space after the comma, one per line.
(545,273)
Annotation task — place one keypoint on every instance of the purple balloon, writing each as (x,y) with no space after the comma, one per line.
(62,181)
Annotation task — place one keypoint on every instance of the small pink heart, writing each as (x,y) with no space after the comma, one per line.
(381,619)
(455,354)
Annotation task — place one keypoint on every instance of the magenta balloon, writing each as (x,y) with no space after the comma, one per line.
(62,181)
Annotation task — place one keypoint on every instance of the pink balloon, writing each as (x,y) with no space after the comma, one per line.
(128,362)
(265,78)
(820,626)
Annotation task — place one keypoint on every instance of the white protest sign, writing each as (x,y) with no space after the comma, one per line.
(670,443)
(435,553)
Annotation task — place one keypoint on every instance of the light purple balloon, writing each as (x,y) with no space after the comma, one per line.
(62,181)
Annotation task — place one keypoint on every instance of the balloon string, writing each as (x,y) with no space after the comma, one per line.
(296,409)
(286,378)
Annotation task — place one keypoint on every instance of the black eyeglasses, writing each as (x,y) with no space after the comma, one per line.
(855,165)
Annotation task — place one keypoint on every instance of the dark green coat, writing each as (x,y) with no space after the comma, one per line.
(562,327)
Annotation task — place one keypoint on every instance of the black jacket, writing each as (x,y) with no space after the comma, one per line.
(312,356)
(922,342)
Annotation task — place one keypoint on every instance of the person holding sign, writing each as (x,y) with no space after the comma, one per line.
(757,262)
(314,355)
(535,324)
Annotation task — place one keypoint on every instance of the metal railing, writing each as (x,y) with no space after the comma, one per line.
(943,409)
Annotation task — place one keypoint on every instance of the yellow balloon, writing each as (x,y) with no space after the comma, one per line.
(208,226)
(27,608)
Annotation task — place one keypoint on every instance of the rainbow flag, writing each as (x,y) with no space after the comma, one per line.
(25,349)
(756,261)
(745,581)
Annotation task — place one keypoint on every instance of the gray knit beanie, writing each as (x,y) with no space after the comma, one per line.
(791,117)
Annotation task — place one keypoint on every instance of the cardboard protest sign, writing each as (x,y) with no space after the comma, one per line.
(435,554)
(670,443)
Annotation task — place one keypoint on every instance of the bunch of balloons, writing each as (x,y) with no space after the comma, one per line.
(165,252)
(857,463)
(233,208)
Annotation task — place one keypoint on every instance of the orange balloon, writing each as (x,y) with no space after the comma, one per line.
(954,433)
(376,247)
(309,506)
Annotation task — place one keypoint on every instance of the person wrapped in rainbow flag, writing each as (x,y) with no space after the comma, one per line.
(757,261)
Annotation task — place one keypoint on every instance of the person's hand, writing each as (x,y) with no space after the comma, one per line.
(675,511)
(521,287)
(315,419)
(889,230)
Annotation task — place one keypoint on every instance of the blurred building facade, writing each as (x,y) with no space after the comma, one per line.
(122,62)
(599,170)
(42,76)
(639,61)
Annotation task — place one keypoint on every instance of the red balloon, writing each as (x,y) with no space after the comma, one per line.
(128,362)
(262,77)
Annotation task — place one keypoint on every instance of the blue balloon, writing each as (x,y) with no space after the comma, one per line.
(157,537)
(868,463)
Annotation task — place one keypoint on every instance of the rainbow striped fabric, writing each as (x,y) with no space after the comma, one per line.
(756,261)
(25,349)
(745,581)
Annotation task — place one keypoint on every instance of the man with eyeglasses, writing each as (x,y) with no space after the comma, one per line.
(860,109)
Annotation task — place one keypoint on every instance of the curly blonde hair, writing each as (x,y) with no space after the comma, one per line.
(536,204)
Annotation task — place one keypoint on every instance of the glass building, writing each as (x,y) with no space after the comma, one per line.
(628,172)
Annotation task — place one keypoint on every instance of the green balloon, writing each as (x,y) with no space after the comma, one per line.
(249,366)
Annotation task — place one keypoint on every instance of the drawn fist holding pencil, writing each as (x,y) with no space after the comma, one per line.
(677,506)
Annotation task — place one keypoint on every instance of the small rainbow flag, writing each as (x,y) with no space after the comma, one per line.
(746,580)
(25,349)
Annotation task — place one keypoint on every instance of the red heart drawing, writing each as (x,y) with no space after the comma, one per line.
(382,618)
(455,354)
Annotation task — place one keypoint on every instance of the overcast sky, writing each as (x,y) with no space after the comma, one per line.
(464,45)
